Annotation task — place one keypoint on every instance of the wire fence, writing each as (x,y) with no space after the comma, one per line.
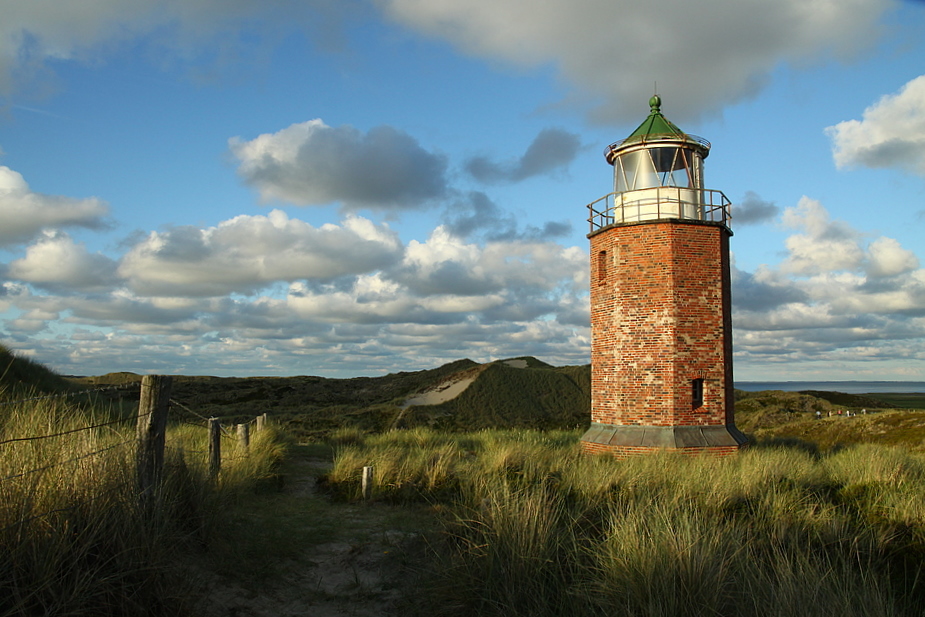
(68,432)
(70,460)
(71,394)
(144,431)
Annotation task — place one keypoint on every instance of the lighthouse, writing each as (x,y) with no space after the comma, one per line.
(661,325)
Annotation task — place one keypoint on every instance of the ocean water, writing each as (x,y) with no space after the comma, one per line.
(848,387)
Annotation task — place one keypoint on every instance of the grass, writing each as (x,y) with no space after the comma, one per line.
(21,377)
(505,396)
(907,400)
(74,539)
(268,531)
(534,528)
(904,428)
(312,408)
(819,517)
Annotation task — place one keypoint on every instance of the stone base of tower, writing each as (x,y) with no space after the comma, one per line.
(638,439)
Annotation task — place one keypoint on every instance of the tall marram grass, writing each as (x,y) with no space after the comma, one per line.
(535,528)
(73,537)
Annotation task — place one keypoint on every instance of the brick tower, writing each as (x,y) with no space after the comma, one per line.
(661,351)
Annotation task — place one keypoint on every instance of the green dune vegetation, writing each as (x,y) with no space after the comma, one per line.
(822,515)
(532,527)
(74,538)
(20,376)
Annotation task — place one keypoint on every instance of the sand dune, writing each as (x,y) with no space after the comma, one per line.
(451,388)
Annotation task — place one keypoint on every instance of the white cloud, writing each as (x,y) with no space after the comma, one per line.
(364,310)
(703,55)
(24,214)
(891,133)
(311,163)
(837,301)
(888,258)
(247,253)
(825,246)
(446,264)
(57,262)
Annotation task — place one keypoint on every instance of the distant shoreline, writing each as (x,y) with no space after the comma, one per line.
(848,387)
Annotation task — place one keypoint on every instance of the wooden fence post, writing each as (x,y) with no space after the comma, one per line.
(215,448)
(150,431)
(244,435)
(367,483)
(261,422)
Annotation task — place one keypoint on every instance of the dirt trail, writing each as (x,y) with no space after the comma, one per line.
(306,555)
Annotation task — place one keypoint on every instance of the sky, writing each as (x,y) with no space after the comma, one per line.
(361,187)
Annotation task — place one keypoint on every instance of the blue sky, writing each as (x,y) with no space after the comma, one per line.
(233,187)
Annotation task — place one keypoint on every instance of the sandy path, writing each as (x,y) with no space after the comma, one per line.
(344,560)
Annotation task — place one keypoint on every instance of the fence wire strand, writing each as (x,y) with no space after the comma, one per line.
(176,403)
(69,394)
(200,416)
(70,460)
(134,418)
(71,431)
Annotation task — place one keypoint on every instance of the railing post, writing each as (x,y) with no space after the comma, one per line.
(244,435)
(215,448)
(150,431)
(261,422)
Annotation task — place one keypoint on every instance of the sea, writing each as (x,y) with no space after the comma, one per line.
(848,387)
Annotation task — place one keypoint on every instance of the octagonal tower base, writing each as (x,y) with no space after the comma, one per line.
(630,440)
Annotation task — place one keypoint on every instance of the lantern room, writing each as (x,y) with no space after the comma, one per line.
(658,174)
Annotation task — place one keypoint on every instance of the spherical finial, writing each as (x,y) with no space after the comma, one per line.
(655,103)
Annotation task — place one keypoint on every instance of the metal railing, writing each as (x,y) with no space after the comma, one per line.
(660,203)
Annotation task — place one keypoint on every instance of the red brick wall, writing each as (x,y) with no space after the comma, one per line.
(660,318)
(626,451)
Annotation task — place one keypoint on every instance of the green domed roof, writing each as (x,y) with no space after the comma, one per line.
(656,125)
(657,128)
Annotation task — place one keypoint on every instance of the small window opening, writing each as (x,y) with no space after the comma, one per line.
(602,267)
(697,393)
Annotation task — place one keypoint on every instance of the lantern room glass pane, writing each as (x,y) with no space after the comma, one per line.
(620,181)
(646,175)
(658,166)
(673,166)
(663,159)
(626,171)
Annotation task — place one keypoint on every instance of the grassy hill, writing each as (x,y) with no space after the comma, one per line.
(516,393)
(20,376)
(538,396)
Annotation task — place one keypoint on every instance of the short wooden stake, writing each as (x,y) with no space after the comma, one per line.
(244,435)
(367,483)
(261,422)
(215,448)
(151,430)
